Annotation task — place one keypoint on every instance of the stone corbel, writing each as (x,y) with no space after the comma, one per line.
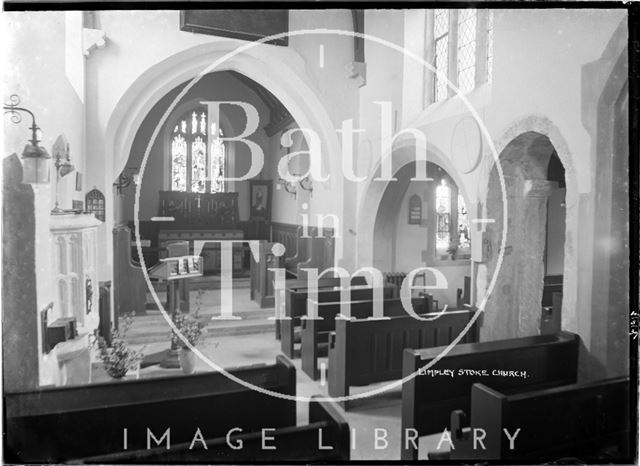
(357,71)
(538,188)
(93,39)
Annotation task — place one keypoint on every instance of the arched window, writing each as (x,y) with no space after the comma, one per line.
(462,231)
(450,225)
(198,159)
(443,215)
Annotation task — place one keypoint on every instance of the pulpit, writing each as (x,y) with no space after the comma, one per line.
(75,252)
(74,257)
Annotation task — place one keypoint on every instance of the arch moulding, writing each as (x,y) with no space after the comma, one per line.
(402,153)
(277,70)
(544,126)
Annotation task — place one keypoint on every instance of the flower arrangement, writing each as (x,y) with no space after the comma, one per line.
(189,326)
(118,357)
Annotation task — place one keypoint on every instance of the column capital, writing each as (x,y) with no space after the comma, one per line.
(538,188)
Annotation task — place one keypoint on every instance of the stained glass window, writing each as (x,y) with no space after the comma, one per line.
(198,165)
(489,45)
(194,168)
(443,214)
(467,20)
(441,63)
(464,237)
(179,163)
(217,161)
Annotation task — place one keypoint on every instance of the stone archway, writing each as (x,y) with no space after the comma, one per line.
(273,69)
(403,154)
(405,240)
(514,307)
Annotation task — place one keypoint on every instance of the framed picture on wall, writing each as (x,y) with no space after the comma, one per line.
(260,200)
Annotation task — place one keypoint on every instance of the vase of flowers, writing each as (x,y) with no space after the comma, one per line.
(190,328)
(118,357)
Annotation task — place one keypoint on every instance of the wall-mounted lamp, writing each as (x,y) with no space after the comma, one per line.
(63,165)
(306,183)
(128,176)
(35,158)
(288,186)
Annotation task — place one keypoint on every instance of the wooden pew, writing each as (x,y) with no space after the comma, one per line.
(315,332)
(365,351)
(588,421)
(314,251)
(292,443)
(321,256)
(463,295)
(299,284)
(296,307)
(427,401)
(261,278)
(129,286)
(71,423)
(302,254)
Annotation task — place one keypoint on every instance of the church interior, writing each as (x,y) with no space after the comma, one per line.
(317,235)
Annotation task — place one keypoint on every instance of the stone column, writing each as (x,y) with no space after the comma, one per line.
(19,293)
(531,231)
(501,313)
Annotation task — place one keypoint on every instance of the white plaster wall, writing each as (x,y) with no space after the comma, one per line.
(36,57)
(139,42)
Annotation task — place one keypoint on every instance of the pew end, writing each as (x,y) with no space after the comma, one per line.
(590,421)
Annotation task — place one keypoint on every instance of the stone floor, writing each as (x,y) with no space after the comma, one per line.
(227,351)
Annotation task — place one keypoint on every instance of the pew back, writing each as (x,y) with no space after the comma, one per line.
(89,420)
(292,443)
(280,300)
(315,331)
(296,307)
(576,420)
(367,351)
(427,401)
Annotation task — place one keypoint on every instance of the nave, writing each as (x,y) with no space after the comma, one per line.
(441,257)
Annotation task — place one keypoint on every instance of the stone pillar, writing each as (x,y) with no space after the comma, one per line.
(19,294)
(500,320)
(531,231)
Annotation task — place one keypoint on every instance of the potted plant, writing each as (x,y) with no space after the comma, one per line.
(118,357)
(190,328)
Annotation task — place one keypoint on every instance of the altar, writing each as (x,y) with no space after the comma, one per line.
(211,251)
(202,217)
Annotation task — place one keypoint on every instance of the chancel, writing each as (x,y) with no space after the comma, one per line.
(318,236)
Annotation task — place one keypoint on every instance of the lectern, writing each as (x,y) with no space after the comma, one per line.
(176,271)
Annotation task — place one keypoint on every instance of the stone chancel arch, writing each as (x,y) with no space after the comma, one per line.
(279,71)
